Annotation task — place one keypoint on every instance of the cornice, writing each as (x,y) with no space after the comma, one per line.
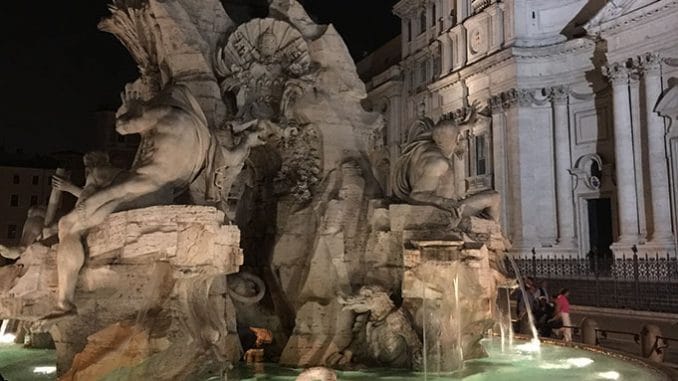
(445,82)
(579,45)
(642,15)
(486,63)
(478,67)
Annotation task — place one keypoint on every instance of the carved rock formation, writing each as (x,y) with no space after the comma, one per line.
(152,298)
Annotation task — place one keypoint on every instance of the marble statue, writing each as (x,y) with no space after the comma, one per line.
(171,123)
(424,174)
(384,336)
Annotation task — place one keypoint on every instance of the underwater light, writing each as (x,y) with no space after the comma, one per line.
(44,369)
(611,375)
(580,362)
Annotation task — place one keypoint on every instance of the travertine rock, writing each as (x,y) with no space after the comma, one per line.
(313,339)
(453,285)
(153,291)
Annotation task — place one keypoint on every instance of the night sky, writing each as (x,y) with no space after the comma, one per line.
(57,69)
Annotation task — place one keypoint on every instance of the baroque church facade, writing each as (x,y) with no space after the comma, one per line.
(571,138)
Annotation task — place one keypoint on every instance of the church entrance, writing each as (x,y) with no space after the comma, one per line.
(600,234)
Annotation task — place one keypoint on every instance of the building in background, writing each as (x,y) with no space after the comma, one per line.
(25,183)
(574,145)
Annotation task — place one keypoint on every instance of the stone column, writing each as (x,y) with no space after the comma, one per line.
(564,197)
(638,147)
(659,174)
(499,158)
(627,205)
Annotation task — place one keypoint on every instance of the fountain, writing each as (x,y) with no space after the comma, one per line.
(273,170)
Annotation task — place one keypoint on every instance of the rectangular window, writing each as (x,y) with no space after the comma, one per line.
(16,179)
(12,231)
(14,200)
(433,14)
(36,180)
(422,73)
(409,31)
(481,155)
(34,200)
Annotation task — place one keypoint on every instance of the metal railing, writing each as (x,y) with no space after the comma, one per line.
(640,282)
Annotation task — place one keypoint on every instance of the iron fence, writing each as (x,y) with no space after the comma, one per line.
(640,282)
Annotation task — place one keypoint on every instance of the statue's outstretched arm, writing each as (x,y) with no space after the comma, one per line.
(140,122)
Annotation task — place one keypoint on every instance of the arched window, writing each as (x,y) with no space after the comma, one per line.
(422,22)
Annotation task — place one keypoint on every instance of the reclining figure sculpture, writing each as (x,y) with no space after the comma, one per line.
(424,173)
(173,152)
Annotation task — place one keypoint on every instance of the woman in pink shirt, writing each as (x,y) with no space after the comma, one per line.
(563,311)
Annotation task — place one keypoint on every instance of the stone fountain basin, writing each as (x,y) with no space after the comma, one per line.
(555,362)
(558,362)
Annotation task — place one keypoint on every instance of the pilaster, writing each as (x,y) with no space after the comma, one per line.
(627,207)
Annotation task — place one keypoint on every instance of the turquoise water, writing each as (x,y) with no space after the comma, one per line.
(19,364)
(552,363)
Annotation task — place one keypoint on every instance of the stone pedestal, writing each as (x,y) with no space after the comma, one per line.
(152,298)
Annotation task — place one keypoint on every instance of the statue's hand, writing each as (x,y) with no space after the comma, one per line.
(131,110)
(132,101)
(61,184)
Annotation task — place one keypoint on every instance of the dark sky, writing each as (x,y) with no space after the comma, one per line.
(57,69)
